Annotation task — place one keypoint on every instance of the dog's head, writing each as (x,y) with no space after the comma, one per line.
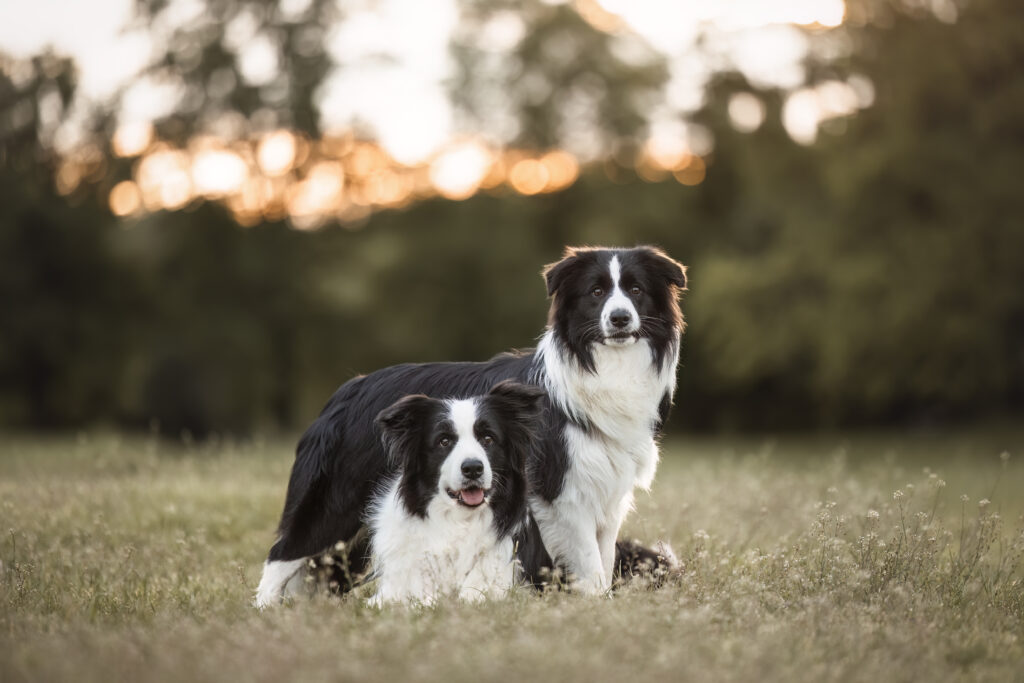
(614,297)
(466,454)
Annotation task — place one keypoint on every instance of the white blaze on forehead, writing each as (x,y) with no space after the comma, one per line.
(463,416)
(618,301)
(615,268)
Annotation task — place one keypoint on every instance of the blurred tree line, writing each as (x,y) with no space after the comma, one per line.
(870,278)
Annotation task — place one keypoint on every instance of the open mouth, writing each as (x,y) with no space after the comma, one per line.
(471,497)
(622,336)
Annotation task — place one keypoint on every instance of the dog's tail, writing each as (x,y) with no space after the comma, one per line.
(636,561)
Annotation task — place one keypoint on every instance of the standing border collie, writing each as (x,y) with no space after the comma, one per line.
(446,522)
(608,362)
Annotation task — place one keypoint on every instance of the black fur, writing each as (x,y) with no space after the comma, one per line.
(664,408)
(340,459)
(634,560)
(343,567)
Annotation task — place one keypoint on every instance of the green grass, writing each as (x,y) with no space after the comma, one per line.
(126,559)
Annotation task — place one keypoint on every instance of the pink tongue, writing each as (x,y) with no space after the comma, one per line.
(472,496)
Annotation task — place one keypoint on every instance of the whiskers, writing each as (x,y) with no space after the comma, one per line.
(499,485)
(591,331)
(649,324)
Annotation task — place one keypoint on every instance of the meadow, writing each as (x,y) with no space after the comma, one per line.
(870,557)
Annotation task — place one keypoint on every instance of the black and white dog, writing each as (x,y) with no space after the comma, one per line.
(446,523)
(608,363)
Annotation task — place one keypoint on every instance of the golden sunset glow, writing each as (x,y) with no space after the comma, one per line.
(283,174)
(125,198)
(529,176)
(563,170)
(666,154)
(276,153)
(597,15)
(693,172)
(458,172)
(218,172)
(659,20)
(165,179)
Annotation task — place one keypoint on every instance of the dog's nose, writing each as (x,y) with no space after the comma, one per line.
(472,469)
(620,318)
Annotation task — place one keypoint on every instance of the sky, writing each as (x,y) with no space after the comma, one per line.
(404,101)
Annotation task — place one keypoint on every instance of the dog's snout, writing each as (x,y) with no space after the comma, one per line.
(620,318)
(472,468)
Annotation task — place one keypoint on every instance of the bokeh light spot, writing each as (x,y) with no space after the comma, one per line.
(132,139)
(457,172)
(529,176)
(125,198)
(276,153)
(693,173)
(746,112)
(218,172)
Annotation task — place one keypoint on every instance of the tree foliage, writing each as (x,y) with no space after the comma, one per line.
(872,277)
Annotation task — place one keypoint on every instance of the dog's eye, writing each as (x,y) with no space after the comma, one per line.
(444,441)
(597,291)
(487,439)
(635,290)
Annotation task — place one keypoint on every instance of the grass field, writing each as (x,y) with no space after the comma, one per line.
(821,558)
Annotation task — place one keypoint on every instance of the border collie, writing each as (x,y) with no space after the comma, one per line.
(608,363)
(446,522)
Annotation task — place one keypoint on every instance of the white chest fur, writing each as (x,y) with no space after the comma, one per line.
(614,454)
(623,395)
(453,551)
(620,403)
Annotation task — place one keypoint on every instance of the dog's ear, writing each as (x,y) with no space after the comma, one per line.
(521,411)
(522,399)
(669,269)
(403,412)
(556,273)
(401,426)
(521,407)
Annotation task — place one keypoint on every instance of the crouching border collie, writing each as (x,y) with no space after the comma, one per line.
(446,523)
(608,363)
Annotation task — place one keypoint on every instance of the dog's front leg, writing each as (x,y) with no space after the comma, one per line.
(608,533)
(571,540)
(606,545)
